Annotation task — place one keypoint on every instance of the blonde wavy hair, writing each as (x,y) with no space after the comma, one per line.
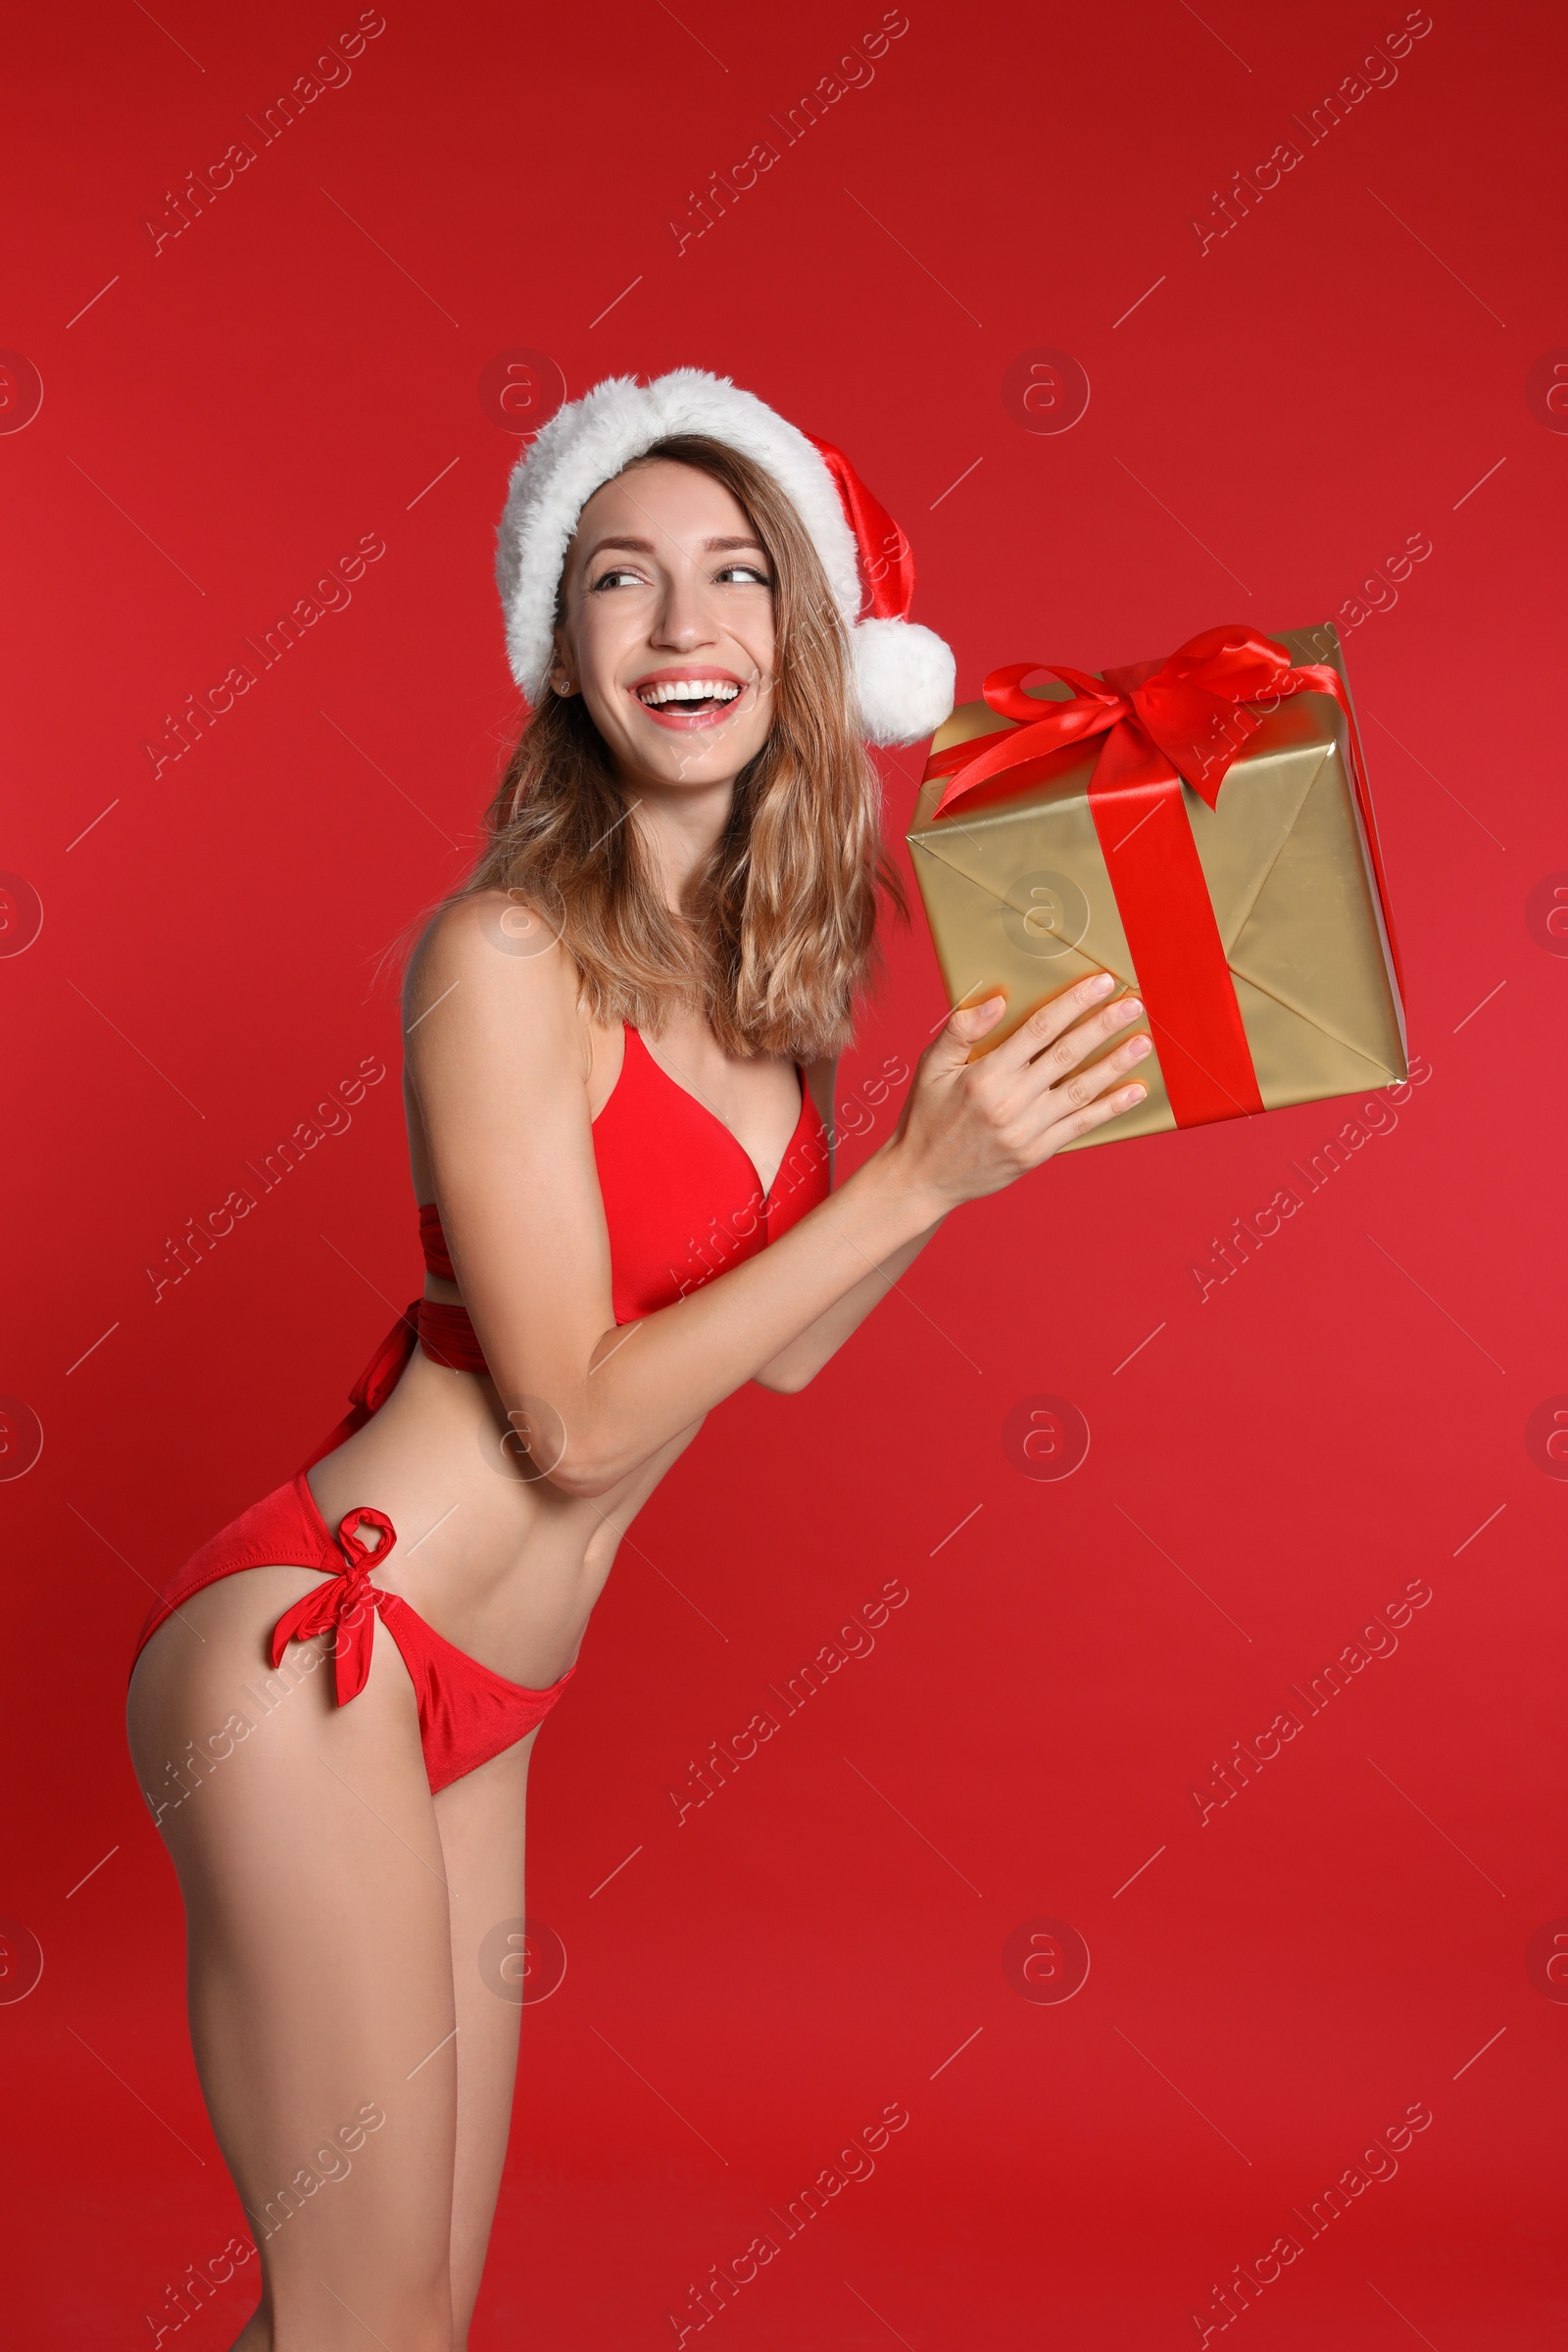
(777,933)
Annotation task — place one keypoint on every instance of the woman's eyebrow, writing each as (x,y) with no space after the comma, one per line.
(645,547)
(637,547)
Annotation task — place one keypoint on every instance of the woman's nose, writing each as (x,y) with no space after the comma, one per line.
(683,619)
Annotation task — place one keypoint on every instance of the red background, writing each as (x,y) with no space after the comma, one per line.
(1278,415)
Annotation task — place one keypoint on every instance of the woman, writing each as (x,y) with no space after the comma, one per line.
(621,1047)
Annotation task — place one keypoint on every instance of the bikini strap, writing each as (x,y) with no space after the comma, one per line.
(356,1551)
(343,1604)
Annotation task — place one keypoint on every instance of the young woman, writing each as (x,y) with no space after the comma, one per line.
(620,1042)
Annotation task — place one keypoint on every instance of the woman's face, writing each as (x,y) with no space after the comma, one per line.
(669,626)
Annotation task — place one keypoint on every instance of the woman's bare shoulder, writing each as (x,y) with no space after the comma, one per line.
(490,967)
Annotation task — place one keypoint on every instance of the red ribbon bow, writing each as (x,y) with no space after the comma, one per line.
(345,1603)
(1162,722)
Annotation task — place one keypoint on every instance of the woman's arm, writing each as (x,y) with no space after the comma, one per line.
(803,1358)
(496,1054)
(794,1366)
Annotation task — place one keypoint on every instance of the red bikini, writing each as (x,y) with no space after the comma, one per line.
(682,1203)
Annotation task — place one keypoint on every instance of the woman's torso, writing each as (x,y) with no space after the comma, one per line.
(496,1559)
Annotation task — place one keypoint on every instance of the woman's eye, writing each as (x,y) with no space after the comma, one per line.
(743,574)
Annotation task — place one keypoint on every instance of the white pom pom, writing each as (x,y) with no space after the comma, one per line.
(904,678)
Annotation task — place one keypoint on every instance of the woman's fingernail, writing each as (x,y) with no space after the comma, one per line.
(1102,981)
(1132,1005)
(1136,1093)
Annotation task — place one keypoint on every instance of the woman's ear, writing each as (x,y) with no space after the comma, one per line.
(562,682)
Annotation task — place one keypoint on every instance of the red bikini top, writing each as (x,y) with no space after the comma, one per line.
(682,1202)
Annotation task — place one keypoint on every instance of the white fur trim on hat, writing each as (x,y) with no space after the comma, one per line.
(904,676)
(904,673)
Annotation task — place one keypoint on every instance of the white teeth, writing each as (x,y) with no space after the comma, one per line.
(688,690)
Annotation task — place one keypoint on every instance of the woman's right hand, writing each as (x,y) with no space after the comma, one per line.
(970,1127)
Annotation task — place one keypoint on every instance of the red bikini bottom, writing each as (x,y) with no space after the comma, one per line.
(468,1713)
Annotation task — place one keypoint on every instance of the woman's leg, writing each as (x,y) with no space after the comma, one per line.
(480,1819)
(319,1961)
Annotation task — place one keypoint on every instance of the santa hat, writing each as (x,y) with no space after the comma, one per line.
(904,673)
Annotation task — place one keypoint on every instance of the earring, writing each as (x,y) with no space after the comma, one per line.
(565,687)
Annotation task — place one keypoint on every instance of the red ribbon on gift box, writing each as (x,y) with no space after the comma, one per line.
(1163,722)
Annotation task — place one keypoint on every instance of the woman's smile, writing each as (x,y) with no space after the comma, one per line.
(687,699)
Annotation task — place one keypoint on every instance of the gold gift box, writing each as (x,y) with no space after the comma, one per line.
(1019,901)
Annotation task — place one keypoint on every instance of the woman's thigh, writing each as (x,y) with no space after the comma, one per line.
(305,1839)
(482,1820)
